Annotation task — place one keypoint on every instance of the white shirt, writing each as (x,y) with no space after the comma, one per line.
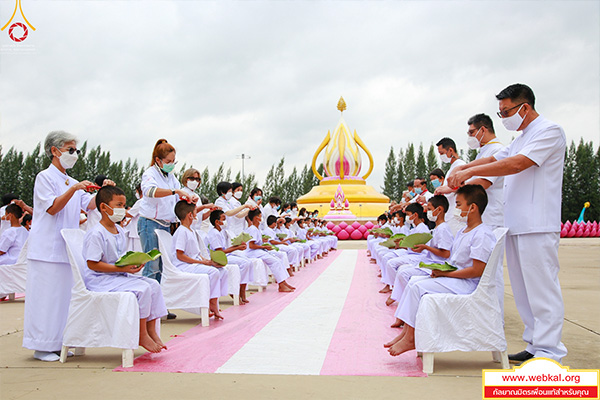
(185,240)
(494,211)
(452,196)
(131,228)
(161,208)
(101,245)
(234,224)
(45,241)
(4,224)
(216,239)
(477,244)
(532,198)
(442,239)
(11,243)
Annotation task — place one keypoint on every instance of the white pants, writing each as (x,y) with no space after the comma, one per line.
(403,276)
(246,270)
(292,254)
(217,277)
(533,267)
(48,295)
(278,268)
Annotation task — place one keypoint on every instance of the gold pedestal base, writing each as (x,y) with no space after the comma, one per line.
(365,201)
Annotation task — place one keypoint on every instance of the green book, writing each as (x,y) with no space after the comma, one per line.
(137,258)
(441,267)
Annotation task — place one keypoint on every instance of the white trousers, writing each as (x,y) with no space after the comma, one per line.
(246,270)
(532,261)
(219,286)
(48,295)
(277,267)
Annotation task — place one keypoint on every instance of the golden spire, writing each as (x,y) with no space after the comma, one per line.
(341,104)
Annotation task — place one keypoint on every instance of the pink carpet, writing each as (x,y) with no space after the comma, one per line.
(357,344)
(205,349)
(356,347)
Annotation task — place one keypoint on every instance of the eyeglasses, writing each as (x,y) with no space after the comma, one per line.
(504,113)
(72,150)
(471,132)
(195,179)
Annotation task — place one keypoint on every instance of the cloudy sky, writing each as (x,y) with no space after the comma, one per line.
(219,79)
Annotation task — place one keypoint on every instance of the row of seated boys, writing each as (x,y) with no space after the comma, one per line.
(468,251)
(106,242)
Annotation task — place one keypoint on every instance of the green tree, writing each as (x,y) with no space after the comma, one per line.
(409,164)
(421,166)
(390,182)
(400,176)
(432,159)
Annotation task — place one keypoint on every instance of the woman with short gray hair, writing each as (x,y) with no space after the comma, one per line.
(57,202)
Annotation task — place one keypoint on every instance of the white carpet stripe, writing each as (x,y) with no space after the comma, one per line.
(297,340)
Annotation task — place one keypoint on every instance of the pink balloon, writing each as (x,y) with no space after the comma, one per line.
(572,232)
(343,225)
(561,226)
(369,225)
(568,225)
(362,228)
(595,225)
(356,225)
(343,235)
(564,232)
(336,229)
(356,235)
(330,225)
(579,233)
(366,234)
(586,233)
(588,224)
(349,229)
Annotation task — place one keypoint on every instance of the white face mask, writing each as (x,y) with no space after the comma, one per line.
(117,215)
(228,195)
(410,222)
(137,195)
(430,216)
(238,195)
(192,185)
(224,224)
(68,160)
(458,215)
(473,142)
(445,159)
(513,122)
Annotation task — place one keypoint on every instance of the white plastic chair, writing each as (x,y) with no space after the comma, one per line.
(182,290)
(98,319)
(13,277)
(474,322)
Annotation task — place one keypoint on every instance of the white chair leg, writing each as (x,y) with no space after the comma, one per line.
(127,358)
(504,360)
(260,288)
(236,299)
(79,351)
(11,296)
(64,352)
(496,356)
(296,268)
(428,363)
(204,316)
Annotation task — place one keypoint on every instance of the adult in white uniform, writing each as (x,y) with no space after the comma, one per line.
(270,209)
(225,192)
(449,154)
(57,201)
(483,138)
(190,181)
(533,168)
(238,224)
(161,191)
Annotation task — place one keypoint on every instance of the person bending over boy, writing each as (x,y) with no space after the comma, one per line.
(470,252)
(103,244)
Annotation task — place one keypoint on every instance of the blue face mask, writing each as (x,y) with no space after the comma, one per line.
(411,194)
(168,168)
(418,190)
(436,183)
(278,207)
(257,198)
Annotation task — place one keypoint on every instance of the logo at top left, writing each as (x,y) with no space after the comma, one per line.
(18,31)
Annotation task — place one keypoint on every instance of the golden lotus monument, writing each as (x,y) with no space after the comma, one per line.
(342,164)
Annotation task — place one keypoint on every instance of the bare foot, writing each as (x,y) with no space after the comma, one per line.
(372,261)
(154,336)
(379,275)
(283,288)
(288,285)
(290,271)
(389,301)
(402,346)
(150,345)
(386,289)
(368,253)
(397,323)
(217,314)
(395,340)
(244,300)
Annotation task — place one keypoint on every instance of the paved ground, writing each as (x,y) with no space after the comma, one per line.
(457,375)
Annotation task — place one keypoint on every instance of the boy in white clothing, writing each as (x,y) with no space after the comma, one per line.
(217,240)
(186,256)
(292,255)
(13,238)
(437,250)
(103,244)
(470,253)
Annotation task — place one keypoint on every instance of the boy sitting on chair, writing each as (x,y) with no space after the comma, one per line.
(103,244)
(186,256)
(470,252)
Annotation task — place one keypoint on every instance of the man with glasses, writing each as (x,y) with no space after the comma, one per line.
(533,168)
